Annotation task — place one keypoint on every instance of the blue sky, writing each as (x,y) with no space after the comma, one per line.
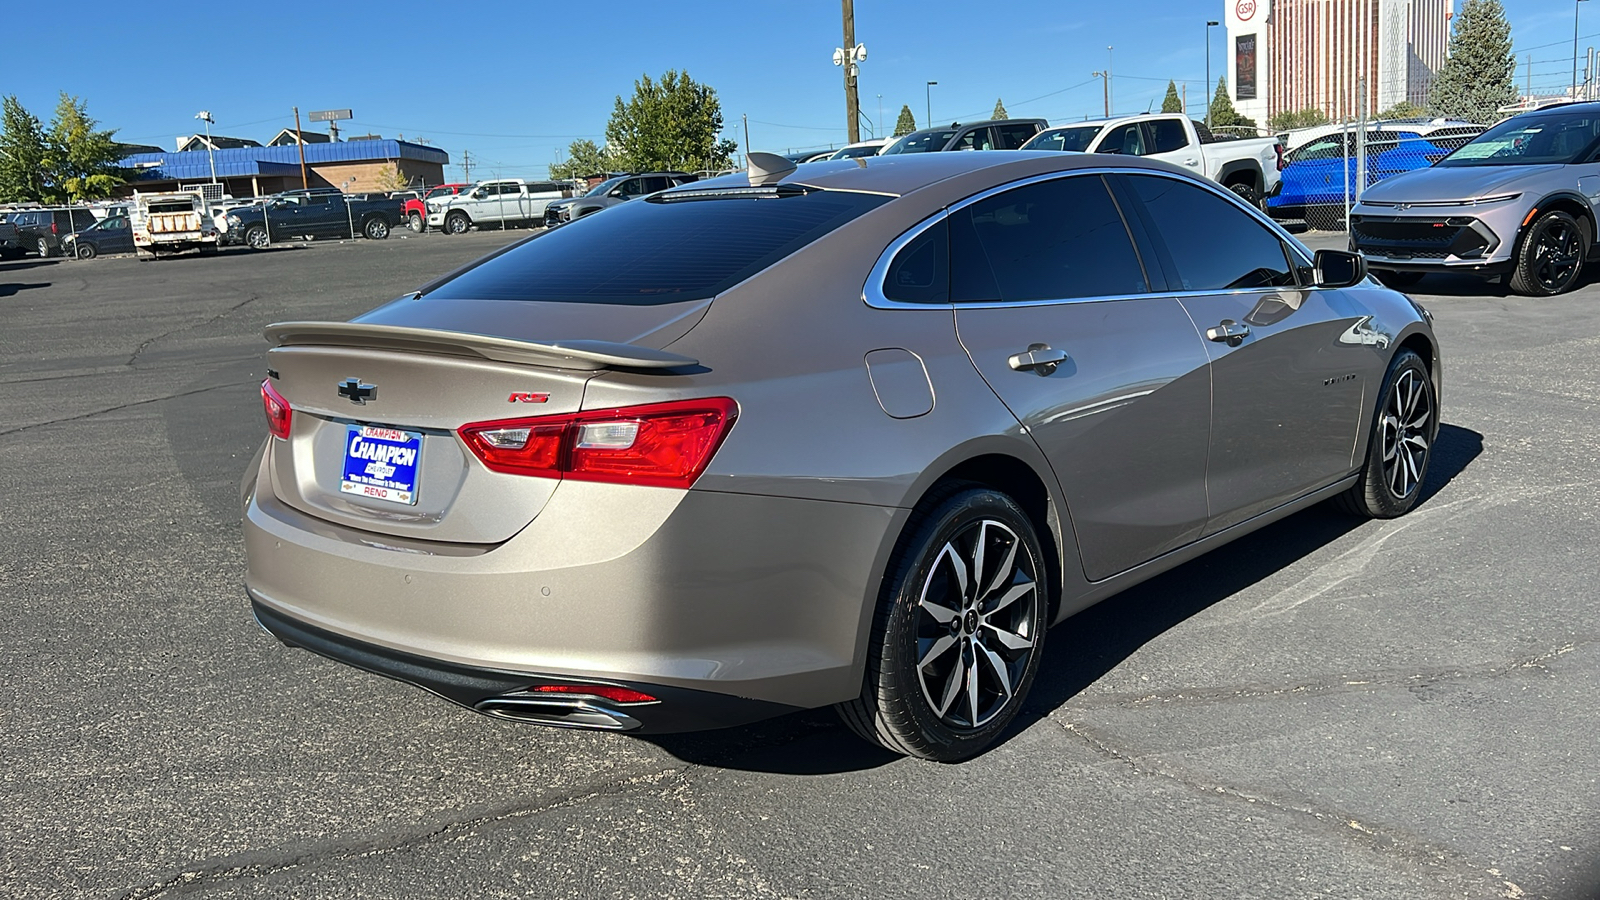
(514,83)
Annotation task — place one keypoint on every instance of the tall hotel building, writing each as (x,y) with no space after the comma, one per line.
(1333,55)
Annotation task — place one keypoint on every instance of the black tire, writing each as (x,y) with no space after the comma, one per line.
(1247,192)
(255,237)
(376,228)
(457,223)
(1400,444)
(931,635)
(44,248)
(86,250)
(417,223)
(1398,280)
(1550,259)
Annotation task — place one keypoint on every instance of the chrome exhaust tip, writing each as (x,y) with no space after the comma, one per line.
(562,712)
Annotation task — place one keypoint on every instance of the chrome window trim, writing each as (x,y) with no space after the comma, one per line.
(873,296)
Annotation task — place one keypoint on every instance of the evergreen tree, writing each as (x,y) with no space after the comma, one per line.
(1476,78)
(1405,109)
(672,123)
(1223,115)
(999,110)
(1173,103)
(80,162)
(907,123)
(21,154)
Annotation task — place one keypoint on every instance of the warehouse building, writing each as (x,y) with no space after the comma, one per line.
(254,171)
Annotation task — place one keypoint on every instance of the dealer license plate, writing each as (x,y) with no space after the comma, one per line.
(381,463)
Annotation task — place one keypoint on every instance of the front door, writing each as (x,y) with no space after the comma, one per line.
(1287,381)
(1055,310)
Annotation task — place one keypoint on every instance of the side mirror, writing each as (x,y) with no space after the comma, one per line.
(479,195)
(1338,268)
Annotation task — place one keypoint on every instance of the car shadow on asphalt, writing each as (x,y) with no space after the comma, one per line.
(1082,649)
(1449,284)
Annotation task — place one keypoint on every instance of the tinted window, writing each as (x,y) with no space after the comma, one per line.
(1127,140)
(921,142)
(1168,136)
(920,271)
(1054,240)
(1010,137)
(659,252)
(977,139)
(1211,244)
(1077,139)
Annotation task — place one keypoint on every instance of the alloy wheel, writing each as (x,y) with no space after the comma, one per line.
(974,637)
(1556,254)
(1405,433)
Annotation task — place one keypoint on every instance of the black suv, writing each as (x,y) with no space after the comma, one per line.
(611,192)
(41,230)
(990,134)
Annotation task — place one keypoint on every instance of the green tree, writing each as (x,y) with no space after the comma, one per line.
(80,162)
(1172,103)
(1405,109)
(584,157)
(22,151)
(1290,119)
(1475,80)
(389,178)
(907,123)
(999,110)
(1223,115)
(672,123)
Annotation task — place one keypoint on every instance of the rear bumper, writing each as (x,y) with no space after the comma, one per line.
(761,603)
(502,693)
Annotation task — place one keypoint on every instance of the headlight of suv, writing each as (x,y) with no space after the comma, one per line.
(233,219)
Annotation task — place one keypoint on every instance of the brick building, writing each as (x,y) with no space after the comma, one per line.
(256,171)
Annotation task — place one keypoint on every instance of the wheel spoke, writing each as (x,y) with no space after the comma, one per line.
(958,565)
(952,685)
(1010,639)
(1002,673)
(945,642)
(977,560)
(1003,573)
(972,691)
(1019,589)
(941,614)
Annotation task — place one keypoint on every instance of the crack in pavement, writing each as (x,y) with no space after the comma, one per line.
(101,412)
(119,369)
(218,317)
(1386,841)
(262,863)
(1333,684)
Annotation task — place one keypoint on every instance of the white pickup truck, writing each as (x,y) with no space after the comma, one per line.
(171,223)
(1247,166)
(502,202)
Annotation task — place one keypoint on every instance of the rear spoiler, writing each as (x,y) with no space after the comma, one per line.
(589,355)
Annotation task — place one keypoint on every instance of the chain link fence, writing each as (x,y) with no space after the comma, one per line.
(1330,167)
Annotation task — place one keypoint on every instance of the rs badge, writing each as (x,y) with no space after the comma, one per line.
(527,398)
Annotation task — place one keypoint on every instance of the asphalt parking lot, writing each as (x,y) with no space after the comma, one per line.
(1326,708)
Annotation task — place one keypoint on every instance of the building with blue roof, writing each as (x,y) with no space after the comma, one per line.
(353,166)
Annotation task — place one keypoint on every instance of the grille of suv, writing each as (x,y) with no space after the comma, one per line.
(1405,237)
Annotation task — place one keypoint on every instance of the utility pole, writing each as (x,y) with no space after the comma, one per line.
(1105,77)
(305,181)
(1108,82)
(852,105)
(466,166)
(927,95)
(333,132)
(1574,48)
(1207,94)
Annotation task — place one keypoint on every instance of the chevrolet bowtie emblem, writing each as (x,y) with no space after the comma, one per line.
(356,391)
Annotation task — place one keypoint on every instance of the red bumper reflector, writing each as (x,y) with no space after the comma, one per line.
(606,691)
(277,409)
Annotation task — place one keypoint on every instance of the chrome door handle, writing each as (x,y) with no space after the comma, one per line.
(1040,359)
(1230,332)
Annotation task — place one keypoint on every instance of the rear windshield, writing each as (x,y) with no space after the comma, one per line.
(1077,139)
(643,254)
(921,142)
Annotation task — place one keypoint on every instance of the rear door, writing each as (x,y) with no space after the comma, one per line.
(1048,271)
(1168,140)
(1286,391)
(1012,135)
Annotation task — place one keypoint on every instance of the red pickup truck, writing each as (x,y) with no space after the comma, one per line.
(416,209)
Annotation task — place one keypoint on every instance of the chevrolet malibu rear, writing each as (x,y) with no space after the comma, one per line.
(853,434)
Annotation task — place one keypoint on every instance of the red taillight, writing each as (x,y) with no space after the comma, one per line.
(605,691)
(277,410)
(660,445)
(1279,149)
(53,227)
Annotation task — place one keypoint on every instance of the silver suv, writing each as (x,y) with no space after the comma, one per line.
(1517,200)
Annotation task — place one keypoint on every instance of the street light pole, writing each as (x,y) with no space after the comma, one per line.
(204,115)
(1209,26)
(1575,48)
(1108,82)
(928,96)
